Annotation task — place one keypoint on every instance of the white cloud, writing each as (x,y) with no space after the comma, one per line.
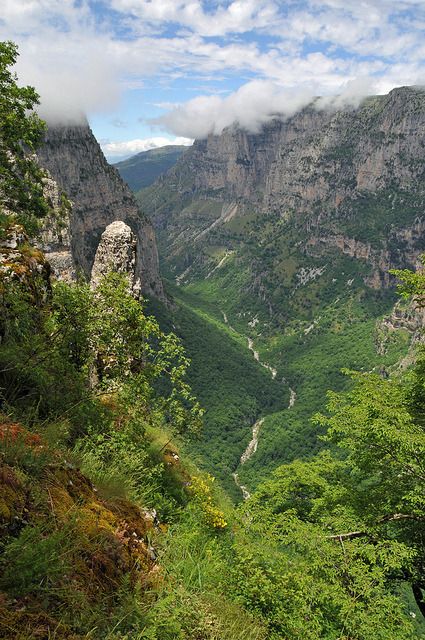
(251,106)
(63,54)
(240,16)
(79,62)
(122,150)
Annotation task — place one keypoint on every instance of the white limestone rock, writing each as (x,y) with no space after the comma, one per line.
(117,252)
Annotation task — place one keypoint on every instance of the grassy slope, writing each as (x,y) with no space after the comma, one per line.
(143,169)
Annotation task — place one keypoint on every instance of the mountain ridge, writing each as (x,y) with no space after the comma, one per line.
(142,169)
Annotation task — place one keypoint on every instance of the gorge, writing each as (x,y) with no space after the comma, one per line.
(288,237)
(221,438)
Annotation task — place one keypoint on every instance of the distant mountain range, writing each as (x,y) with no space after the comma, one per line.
(143,169)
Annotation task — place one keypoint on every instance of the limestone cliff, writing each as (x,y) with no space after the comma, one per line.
(55,235)
(346,182)
(316,156)
(99,197)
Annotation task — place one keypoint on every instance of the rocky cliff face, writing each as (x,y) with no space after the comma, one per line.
(99,197)
(55,235)
(315,157)
(322,183)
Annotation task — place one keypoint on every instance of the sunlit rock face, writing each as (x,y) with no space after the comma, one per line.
(55,234)
(117,252)
(99,197)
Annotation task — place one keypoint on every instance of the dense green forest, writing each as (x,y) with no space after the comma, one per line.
(310,363)
(234,389)
(107,528)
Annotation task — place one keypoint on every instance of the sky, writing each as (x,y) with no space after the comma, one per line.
(153,72)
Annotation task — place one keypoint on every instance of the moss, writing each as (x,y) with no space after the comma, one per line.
(110,537)
(129,513)
(19,622)
(13,498)
(99,545)
(76,484)
(31,253)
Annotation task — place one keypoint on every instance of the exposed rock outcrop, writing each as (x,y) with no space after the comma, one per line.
(117,252)
(22,263)
(55,236)
(409,317)
(348,182)
(99,196)
(315,157)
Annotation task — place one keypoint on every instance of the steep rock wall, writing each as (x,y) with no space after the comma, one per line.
(99,196)
(55,235)
(350,181)
(315,156)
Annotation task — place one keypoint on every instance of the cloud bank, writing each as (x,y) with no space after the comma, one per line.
(83,55)
(253,105)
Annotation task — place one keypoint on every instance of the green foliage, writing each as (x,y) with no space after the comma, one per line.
(374,425)
(411,284)
(322,550)
(108,336)
(21,186)
(306,586)
(123,462)
(345,529)
(226,379)
(35,560)
(143,169)
(88,339)
(343,338)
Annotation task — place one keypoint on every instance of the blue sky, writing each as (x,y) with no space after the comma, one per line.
(148,72)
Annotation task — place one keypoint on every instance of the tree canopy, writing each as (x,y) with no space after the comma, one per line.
(21,186)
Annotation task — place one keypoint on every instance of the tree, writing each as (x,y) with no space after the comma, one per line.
(106,336)
(346,530)
(305,578)
(21,178)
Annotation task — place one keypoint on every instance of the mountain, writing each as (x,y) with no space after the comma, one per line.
(286,237)
(351,180)
(144,168)
(98,197)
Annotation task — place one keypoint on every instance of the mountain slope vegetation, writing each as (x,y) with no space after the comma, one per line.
(144,168)
(291,233)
